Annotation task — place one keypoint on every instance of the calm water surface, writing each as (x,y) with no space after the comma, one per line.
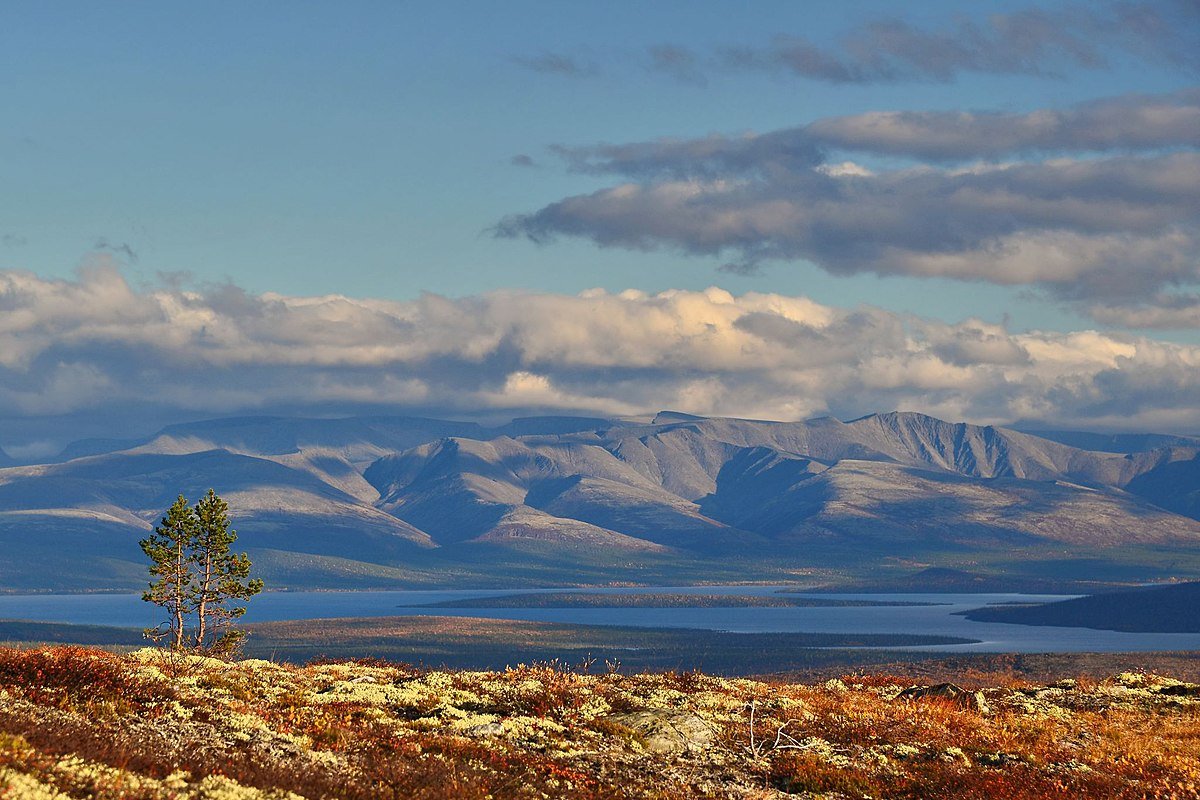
(129,610)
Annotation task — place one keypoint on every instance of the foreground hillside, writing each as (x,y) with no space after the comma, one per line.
(85,723)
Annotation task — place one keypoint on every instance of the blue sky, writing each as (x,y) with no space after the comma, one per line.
(367,149)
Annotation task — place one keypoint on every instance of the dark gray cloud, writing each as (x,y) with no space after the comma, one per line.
(1042,42)
(1026,42)
(1128,123)
(710,157)
(558,64)
(522,160)
(1165,310)
(76,351)
(121,249)
(1116,227)
(681,63)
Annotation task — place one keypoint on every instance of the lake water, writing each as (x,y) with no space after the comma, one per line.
(130,611)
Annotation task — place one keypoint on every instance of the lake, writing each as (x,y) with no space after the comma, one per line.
(130,611)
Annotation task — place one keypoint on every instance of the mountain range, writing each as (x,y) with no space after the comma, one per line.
(400,501)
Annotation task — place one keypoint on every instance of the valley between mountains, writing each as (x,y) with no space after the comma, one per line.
(394,502)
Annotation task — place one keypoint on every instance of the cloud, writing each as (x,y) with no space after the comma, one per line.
(1123,124)
(557,64)
(1123,226)
(1166,310)
(1040,42)
(522,160)
(1122,222)
(121,249)
(1129,123)
(681,63)
(1026,42)
(97,348)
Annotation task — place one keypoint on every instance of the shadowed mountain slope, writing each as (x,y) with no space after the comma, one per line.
(1173,484)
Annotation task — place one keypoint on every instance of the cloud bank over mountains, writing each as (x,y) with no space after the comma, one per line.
(99,347)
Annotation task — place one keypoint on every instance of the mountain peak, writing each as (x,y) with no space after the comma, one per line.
(908,418)
(667,417)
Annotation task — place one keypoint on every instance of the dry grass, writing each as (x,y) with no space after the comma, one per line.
(83,723)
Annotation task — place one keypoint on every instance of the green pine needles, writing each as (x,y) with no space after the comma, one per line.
(197,580)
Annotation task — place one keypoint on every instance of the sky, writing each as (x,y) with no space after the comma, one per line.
(986,211)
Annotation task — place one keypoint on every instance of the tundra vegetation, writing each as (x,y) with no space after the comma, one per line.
(77,722)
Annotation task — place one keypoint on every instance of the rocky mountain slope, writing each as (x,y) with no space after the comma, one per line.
(335,501)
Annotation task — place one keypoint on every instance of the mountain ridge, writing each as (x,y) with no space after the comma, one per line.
(389,493)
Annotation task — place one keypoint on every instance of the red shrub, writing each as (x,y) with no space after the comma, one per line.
(77,674)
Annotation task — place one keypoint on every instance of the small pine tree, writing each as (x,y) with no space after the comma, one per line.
(221,576)
(197,575)
(169,548)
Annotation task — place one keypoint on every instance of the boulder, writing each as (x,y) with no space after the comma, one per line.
(947,691)
(487,729)
(665,731)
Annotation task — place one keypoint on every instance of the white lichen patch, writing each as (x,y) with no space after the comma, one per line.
(218,787)
(903,751)
(465,722)
(18,785)
(822,749)
(955,754)
(241,726)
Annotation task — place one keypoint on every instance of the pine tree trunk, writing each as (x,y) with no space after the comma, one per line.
(179,595)
(202,622)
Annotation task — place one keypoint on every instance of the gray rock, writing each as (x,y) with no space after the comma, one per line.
(486,729)
(665,731)
(947,691)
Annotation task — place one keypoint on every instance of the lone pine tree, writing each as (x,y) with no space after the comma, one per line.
(198,577)
(170,549)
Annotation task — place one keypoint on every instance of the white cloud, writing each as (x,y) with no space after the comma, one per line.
(845,168)
(97,346)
